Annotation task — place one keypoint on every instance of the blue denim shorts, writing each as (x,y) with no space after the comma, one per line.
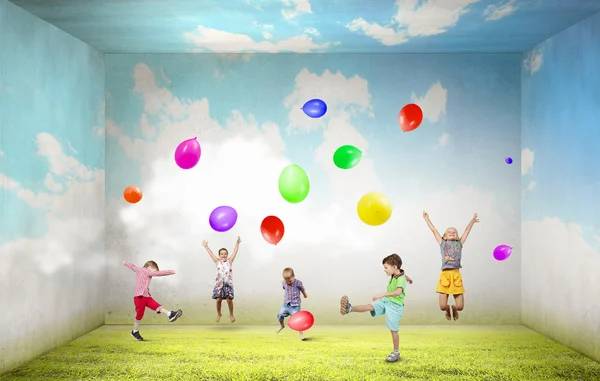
(287,310)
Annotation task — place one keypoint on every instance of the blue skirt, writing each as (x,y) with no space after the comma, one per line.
(222,291)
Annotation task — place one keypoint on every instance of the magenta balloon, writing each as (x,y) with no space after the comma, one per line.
(188,153)
(502,252)
(222,218)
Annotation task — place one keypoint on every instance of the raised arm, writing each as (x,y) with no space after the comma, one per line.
(131,266)
(160,272)
(209,251)
(436,234)
(468,228)
(235,250)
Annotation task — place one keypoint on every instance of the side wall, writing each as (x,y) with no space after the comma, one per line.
(561,182)
(51,187)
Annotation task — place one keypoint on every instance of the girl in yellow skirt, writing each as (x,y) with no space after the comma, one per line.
(450,282)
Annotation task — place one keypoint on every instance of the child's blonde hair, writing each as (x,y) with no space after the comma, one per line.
(446,232)
(151,264)
(288,272)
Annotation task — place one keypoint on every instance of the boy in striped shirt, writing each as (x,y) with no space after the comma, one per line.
(142,297)
(291,298)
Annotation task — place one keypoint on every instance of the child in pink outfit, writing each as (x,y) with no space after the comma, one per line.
(142,297)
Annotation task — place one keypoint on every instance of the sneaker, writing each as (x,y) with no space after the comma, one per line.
(345,305)
(136,335)
(175,315)
(394,356)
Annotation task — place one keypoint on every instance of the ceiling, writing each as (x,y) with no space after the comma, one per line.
(303,26)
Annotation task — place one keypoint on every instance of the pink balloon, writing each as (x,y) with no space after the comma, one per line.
(301,321)
(502,252)
(187,154)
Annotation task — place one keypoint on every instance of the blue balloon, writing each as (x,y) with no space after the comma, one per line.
(315,108)
(508,160)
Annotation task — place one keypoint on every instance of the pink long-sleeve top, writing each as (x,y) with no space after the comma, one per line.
(143,276)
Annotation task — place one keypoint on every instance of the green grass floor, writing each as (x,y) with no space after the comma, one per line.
(233,352)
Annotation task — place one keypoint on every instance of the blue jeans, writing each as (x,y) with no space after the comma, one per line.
(287,310)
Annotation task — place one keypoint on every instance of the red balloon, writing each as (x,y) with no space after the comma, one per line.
(272,229)
(301,321)
(410,117)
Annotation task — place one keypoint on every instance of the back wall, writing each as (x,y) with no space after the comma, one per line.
(246,112)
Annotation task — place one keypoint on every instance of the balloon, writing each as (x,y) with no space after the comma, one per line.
(222,218)
(508,160)
(410,117)
(293,184)
(347,157)
(502,252)
(272,229)
(188,153)
(301,321)
(374,209)
(315,108)
(132,194)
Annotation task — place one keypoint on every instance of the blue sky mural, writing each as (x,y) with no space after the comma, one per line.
(303,26)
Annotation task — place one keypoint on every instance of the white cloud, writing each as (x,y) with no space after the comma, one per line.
(295,8)
(567,257)
(1,153)
(413,19)
(71,147)
(527,156)
(531,185)
(433,103)
(51,184)
(218,74)
(533,60)
(337,91)
(500,10)
(99,130)
(254,4)
(219,41)
(443,140)
(267,35)
(75,217)
(312,32)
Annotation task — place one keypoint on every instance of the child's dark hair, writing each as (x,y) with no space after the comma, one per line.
(393,260)
(151,264)
(221,249)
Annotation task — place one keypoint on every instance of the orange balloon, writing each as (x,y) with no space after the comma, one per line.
(132,194)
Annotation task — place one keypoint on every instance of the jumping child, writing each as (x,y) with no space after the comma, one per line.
(142,297)
(450,282)
(292,288)
(224,280)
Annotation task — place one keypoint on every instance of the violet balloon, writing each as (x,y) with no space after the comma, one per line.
(223,218)
(188,153)
(508,160)
(315,108)
(502,252)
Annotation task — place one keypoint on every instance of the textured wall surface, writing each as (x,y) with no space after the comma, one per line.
(561,171)
(51,187)
(246,112)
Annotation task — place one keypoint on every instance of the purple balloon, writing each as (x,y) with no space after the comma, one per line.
(508,160)
(188,153)
(502,252)
(222,218)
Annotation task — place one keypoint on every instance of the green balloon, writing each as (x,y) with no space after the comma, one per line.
(347,157)
(293,184)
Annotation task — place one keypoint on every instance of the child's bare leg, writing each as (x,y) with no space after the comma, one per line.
(459,304)
(230,305)
(362,308)
(164,311)
(136,325)
(444,305)
(219,300)
(396,340)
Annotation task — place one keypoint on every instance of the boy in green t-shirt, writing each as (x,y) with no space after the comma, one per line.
(390,304)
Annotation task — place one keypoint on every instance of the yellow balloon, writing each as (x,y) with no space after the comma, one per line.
(374,209)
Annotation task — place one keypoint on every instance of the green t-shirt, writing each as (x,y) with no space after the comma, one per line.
(393,285)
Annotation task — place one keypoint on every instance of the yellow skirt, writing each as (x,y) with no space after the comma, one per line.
(450,282)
